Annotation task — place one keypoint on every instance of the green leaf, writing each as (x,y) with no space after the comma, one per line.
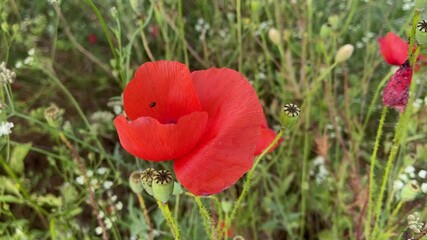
(18,155)
(9,186)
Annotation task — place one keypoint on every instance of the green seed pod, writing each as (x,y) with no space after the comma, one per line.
(162,185)
(334,21)
(53,115)
(289,115)
(325,31)
(421,33)
(410,191)
(135,182)
(147,179)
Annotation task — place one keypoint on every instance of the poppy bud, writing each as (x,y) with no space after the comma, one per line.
(135,182)
(274,35)
(325,31)
(147,179)
(289,115)
(162,185)
(409,191)
(344,53)
(334,20)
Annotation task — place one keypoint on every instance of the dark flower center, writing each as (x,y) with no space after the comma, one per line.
(291,110)
(163,177)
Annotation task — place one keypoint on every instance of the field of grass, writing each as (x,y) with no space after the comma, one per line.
(349,168)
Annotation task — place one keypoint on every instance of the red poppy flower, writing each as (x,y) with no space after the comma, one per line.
(396,92)
(210,123)
(92,39)
(394,49)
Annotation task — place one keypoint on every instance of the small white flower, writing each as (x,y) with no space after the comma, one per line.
(422,174)
(404,177)
(28,60)
(31,52)
(424,187)
(93,181)
(98,230)
(319,160)
(107,184)
(101,214)
(80,180)
(5,128)
(89,173)
(113,198)
(102,170)
(108,223)
(410,169)
(398,184)
(19,64)
(119,205)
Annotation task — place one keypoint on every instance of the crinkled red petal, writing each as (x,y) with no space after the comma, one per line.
(226,151)
(396,91)
(162,90)
(266,137)
(149,139)
(393,49)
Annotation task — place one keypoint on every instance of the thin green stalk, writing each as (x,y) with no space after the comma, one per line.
(169,219)
(249,177)
(304,165)
(207,220)
(182,32)
(104,27)
(372,172)
(146,215)
(239,33)
(375,97)
(401,126)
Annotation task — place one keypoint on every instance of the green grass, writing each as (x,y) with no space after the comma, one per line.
(314,186)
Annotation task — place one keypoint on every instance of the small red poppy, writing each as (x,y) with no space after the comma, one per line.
(209,122)
(393,48)
(396,92)
(92,39)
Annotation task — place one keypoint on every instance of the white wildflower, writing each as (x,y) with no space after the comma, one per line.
(80,180)
(98,230)
(107,184)
(424,187)
(422,174)
(114,198)
(319,160)
(398,184)
(410,169)
(119,205)
(108,223)
(89,173)
(6,75)
(102,170)
(5,128)
(101,214)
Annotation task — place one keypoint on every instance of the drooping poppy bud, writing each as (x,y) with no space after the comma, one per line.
(274,35)
(147,179)
(162,185)
(344,53)
(289,115)
(396,92)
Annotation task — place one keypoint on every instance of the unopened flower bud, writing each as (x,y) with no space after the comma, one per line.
(325,31)
(135,182)
(289,115)
(274,35)
(334,21)
(344,53)
(410,191)
(162,185)
(147,179)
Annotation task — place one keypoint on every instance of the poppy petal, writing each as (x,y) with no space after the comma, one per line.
(393,49)
(162,90)
(148,139)
(226,150)
(266,138)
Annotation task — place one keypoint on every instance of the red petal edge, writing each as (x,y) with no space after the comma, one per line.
(162,90)
(226,151)
(148,139)
(393,49)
